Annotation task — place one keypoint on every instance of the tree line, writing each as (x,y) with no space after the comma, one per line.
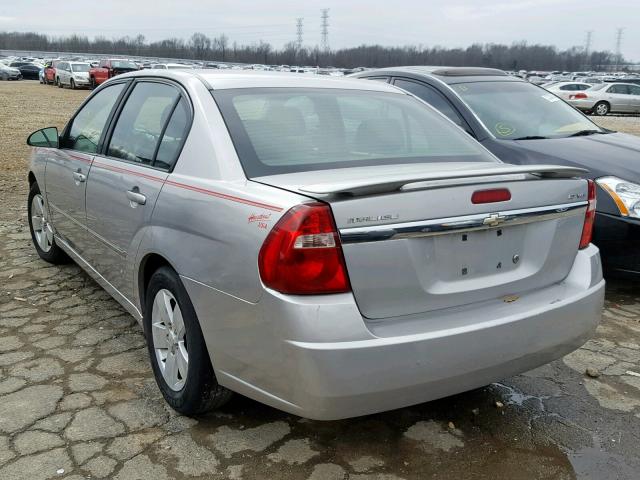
(518,56)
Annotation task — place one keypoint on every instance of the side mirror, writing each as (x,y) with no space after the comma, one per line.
(45,137)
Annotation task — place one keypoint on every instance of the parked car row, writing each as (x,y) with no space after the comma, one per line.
(293,237)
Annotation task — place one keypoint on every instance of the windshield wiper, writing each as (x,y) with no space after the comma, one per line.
(531,137)
(584,133)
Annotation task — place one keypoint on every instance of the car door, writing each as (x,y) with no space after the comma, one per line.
(63,73)
(634,95)
(619,99)
(68,167)
(127,177)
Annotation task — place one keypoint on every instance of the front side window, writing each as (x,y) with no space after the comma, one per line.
(141,121)
(292,130)
(86,128)
(634,90)
(519,110)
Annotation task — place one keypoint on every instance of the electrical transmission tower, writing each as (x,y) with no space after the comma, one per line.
(587,43)
(587,49)
(325,28)
(618,46)
(299,32)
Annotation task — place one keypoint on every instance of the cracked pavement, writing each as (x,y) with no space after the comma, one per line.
(78,400)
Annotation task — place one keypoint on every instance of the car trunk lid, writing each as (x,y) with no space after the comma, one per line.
(413,240)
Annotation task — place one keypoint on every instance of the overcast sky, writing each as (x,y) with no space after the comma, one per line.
(449,23)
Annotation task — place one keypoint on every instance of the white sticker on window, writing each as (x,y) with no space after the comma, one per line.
(550,98)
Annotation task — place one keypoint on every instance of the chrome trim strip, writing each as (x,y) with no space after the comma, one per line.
(467,223)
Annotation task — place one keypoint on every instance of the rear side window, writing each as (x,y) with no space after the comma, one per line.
(86,128)
(292,130)
(141,122)
(432,97)
(174,136)
(623,89)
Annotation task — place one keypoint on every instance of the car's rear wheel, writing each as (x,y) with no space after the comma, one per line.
(179,356)
(72,84)
(58,82)
(601,108)
(42,230)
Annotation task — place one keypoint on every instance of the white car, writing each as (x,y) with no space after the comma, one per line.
(565,89)
(72,74)
(171,66)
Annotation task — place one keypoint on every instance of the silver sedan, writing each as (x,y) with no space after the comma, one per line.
(607,98)
(330,247)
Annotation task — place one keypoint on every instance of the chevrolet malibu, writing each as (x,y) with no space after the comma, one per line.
(330,247)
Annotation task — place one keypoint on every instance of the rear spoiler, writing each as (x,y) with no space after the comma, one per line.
(390,183)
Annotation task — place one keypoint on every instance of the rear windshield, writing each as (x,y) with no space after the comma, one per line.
(277,130)
(123,64)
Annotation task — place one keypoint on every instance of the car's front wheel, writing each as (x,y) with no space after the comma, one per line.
(42,230)
(601,108)
(179,356)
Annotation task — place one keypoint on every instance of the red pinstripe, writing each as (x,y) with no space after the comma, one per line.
(192,188)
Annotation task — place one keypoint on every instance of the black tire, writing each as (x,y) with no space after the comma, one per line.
(55,254)
(72,84)
(601,109)
(201,391)
(93,83)
(59,83)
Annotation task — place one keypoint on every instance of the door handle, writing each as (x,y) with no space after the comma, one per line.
(79,178)
(135,197)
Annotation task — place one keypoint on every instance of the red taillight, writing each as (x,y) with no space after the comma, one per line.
(578,96)
(589,217)
(491,196)
(302,254)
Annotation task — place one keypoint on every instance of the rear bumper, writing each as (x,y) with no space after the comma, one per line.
(318,358)
(617,238)
(584,105)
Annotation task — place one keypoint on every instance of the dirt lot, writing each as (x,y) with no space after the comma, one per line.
(78,400)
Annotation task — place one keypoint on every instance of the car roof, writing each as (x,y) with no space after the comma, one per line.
(231,79)
(448,75)
(621,83)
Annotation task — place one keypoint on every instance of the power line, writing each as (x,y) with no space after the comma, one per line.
(324,24)
(299,31)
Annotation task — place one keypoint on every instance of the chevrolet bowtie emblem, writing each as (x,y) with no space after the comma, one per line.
(493,220)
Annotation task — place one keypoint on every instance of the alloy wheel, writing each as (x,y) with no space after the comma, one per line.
(42,230)
(169,339)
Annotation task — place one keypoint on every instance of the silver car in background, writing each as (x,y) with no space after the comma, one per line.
(330,247)
(72,74)
(607,98)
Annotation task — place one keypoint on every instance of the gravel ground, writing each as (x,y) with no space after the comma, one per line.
(78,400)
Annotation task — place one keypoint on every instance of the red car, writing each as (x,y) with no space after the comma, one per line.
(50,72)
(110,68)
